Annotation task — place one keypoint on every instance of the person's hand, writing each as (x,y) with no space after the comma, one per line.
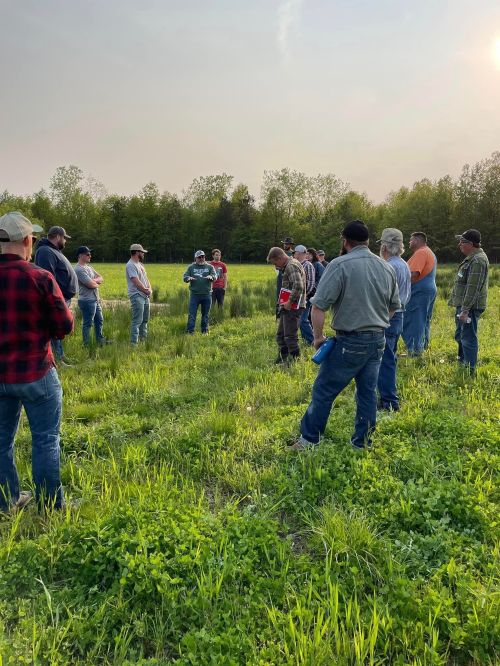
(287,306)
(148,292)
(463,316)
(191,279)
(317,342)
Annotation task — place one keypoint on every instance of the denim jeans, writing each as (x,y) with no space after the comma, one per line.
(387,374)
(305,325)
(140,318)
(466,337)
(417,321)
(42,402)
(218,294)
(205,300)
(356,356)
(91,315)
(57,345)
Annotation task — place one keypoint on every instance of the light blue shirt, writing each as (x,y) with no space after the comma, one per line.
(403,277)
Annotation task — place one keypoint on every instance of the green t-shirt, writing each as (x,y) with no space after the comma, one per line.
(204,275)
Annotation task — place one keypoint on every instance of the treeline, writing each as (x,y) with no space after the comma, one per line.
(213,212)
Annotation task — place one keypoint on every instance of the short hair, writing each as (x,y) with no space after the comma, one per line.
(276,253)
(215,250)
(394,248)
(421,235)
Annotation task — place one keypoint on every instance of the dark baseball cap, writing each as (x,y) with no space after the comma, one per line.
(356,231)
(83,249)
(288,240)
(58,231)
(470,236)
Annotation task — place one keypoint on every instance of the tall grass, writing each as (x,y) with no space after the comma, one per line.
(191,537)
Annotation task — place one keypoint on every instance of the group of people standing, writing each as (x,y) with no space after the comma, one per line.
(374,300)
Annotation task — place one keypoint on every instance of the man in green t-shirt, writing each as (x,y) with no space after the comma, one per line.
(200,276)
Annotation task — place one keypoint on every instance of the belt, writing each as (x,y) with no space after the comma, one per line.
(378,331)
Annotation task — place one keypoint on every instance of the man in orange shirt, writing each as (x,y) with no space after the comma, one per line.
(418,312)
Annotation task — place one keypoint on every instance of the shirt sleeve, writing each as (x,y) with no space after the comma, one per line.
(417,262)
(46,259)
(475,281)
(59,316)
(187,274)
(132,272)
(329,288)
(395,302)
(297,281)
(82,276)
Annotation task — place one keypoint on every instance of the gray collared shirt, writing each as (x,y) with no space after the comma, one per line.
(361,288)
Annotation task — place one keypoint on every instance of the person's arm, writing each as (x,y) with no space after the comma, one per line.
(98,279)
(414,276)
(46,259)
(416,264)
(475,281)
(318,323)
(84,279)
(59,317)
(224,272)
(187,277)
(140,286)
(394,302)
(297,284)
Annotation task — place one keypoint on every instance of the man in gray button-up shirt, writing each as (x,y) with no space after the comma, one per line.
(363,292)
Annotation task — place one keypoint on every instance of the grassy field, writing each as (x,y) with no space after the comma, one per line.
(191,536)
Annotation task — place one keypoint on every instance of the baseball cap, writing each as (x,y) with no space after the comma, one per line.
(470,236)
(320,253)
(199,253)
(83,249)
(288,240)
(300,248)
(137,247)
(356,230)
(58,231)
(14,227)
(391,235)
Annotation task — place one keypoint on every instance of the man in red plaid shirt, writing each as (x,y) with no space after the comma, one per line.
(32,311)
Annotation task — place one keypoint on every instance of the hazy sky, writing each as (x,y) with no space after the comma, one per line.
(379,92)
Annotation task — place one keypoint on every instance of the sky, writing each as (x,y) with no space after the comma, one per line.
(381,93)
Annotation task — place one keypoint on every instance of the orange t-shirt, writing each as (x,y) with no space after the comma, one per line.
(421,261)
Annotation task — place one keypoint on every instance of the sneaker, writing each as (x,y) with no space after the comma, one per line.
(105,341)
(24,498)
(301,445)
(360,447)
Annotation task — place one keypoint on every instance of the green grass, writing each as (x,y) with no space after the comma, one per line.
(196,539)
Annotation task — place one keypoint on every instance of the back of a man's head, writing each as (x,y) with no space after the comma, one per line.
(356,233)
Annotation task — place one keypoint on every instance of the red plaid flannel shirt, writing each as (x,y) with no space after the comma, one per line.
(32,311)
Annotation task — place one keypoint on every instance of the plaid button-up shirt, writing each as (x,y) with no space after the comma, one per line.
(32,311)
(470,290)
(295,280)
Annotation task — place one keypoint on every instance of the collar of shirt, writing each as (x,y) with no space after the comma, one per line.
(4,258)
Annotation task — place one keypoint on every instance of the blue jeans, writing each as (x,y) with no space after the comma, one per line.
(305,325)
(387,374)
(42,402)
(205,300)
(91,315)
(57,345)
(356,356)
(140,318)
(466,337)
(417,321)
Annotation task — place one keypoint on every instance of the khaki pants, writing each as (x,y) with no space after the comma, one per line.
(287,335)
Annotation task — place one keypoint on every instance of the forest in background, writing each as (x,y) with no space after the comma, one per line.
(215,212)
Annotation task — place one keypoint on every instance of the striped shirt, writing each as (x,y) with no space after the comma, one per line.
(310,277)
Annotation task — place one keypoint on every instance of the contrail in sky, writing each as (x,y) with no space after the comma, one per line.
(288,15)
